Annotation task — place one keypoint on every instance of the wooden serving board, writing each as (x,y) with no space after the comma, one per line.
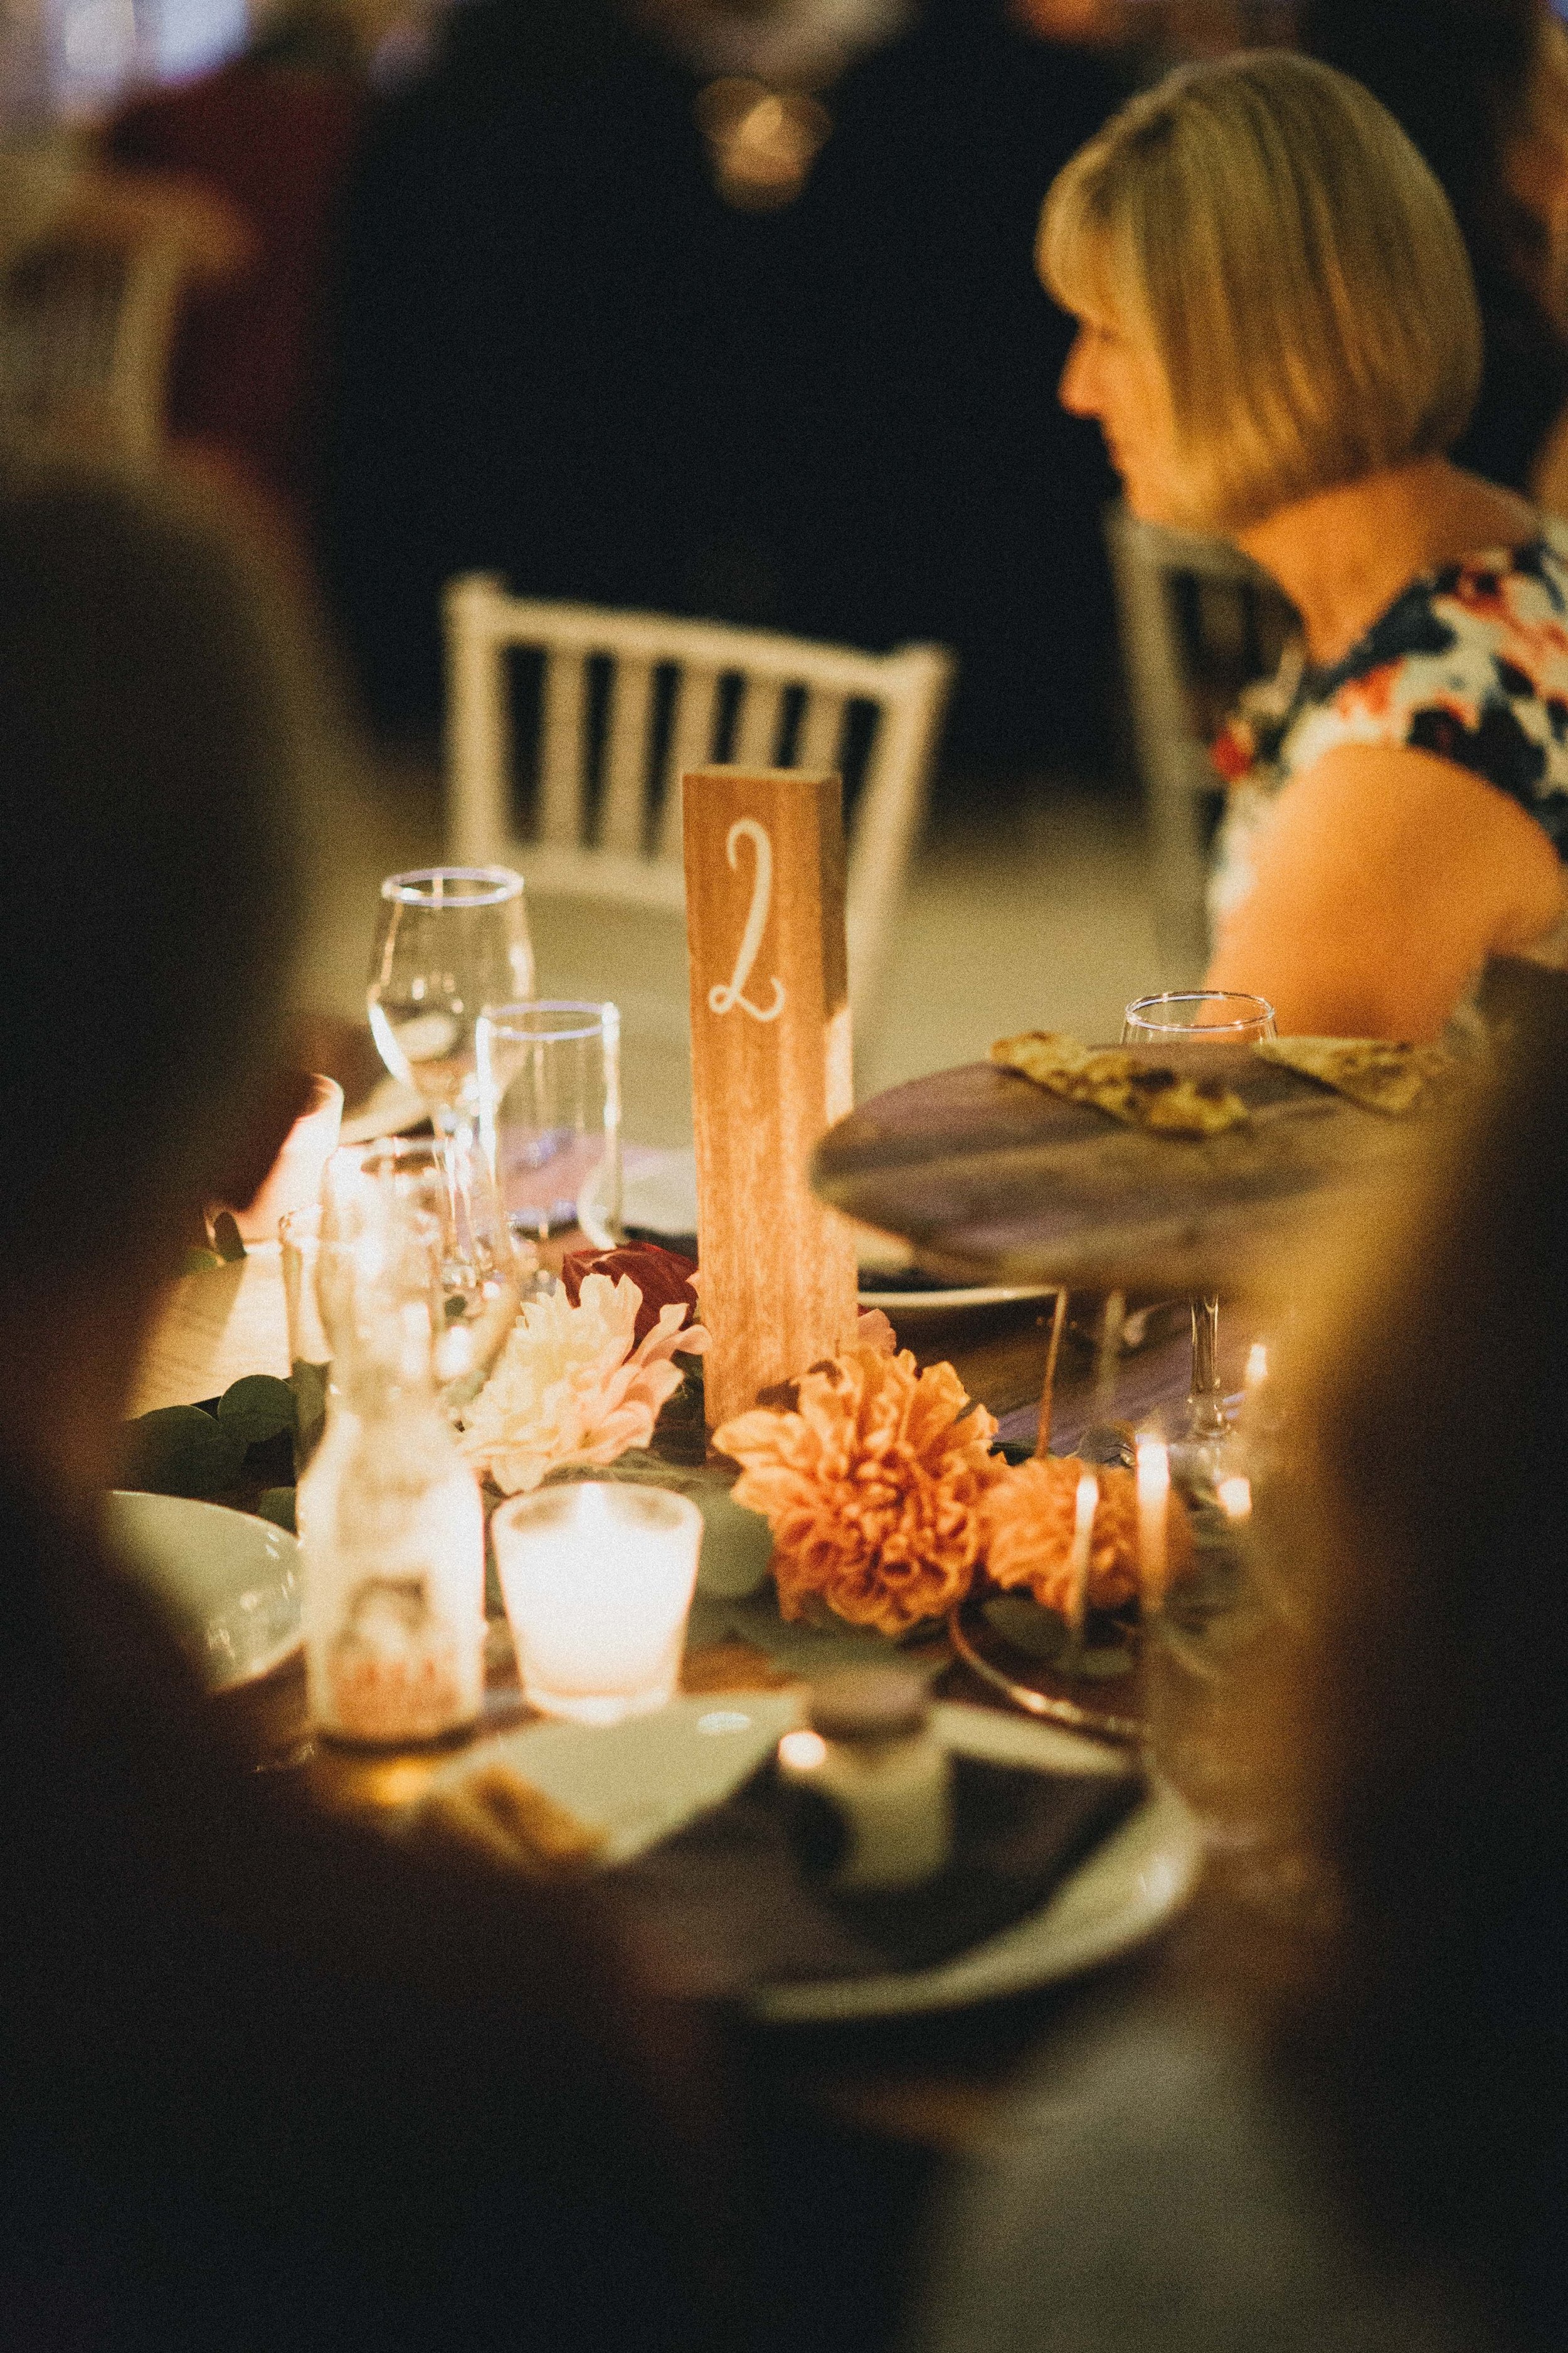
(994,1179)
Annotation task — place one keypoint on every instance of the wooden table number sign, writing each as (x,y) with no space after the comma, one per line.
(771,1071)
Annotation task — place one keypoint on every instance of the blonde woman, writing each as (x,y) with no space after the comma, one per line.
(1278,336)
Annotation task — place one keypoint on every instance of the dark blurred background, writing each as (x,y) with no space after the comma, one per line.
(720,307)
(605,331)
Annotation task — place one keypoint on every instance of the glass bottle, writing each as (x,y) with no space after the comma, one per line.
(390,1519)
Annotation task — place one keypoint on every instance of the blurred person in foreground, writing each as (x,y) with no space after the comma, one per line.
(1344,2129)
(1481,86)
(1278,336)
(268,2080)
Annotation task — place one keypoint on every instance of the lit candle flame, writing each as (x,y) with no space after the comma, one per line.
(1235,1497)
(1153,1514)
(1257,1365)
(1082,1538)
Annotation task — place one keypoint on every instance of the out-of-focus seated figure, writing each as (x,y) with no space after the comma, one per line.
(1481,86)
(273,134)
(268,2080)
(1344,2127)
(1278,335)
(96,268)
(726,309)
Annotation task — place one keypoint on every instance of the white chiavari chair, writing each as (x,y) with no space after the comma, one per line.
(1197,623)
(627,702)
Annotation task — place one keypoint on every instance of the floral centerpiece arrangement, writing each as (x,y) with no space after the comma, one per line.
(888,1504)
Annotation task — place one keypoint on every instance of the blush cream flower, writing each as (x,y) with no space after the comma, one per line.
(571,1388)
(870,1486)
(1029,1517)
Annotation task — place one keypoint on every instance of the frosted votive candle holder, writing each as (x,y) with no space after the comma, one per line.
(597,1579)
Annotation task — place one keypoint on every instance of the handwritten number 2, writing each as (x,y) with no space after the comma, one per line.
(722,994)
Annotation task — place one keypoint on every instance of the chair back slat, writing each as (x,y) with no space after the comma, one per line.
(821,731)
(86,338)
(624,824)
(757,736)
(712,669)
(478,721)
(561,748)
(1185,606)
(690,746)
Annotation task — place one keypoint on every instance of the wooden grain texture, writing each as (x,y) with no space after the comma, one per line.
(211,1329)
(771,1070)
(992,1178)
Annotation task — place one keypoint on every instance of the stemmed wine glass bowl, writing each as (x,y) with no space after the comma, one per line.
(1208,1017)
(451,940)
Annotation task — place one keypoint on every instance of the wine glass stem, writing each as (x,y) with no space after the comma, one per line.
(1206,1404)
(455,1132)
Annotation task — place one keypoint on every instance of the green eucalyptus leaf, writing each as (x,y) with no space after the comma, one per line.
(257,1408)
(276,1503)
(227,1240)
(180,1450)
(199,1262)
(1028,1625)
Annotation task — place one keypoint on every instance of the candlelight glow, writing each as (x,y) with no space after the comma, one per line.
(1256,1363)
(803,1752)
(294,1180)
(598,1581)
(1153,1513)
(1236,1498)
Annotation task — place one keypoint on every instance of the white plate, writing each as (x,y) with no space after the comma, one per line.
(640,1780)
(230,1581)
(658,1194)
(905,1304)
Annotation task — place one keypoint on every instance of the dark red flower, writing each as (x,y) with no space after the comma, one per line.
(661,1276)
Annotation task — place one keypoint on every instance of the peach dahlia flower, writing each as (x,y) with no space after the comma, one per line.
(871,1487)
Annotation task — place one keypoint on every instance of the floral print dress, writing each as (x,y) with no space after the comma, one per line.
(1470,661)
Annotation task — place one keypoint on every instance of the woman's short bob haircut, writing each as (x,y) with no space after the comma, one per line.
(1265,226)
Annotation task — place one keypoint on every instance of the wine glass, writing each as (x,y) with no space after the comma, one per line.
(451,940)
(1208,1016)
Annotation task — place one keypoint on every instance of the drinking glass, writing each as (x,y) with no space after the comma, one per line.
(550,1107)
(1208,1016)
(451,940)
(439,1192)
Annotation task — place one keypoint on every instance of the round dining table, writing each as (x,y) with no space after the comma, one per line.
(854,2121)
(858,2117)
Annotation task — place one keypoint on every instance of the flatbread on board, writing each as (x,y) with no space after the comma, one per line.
(1140,1093)
(1379,1073)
